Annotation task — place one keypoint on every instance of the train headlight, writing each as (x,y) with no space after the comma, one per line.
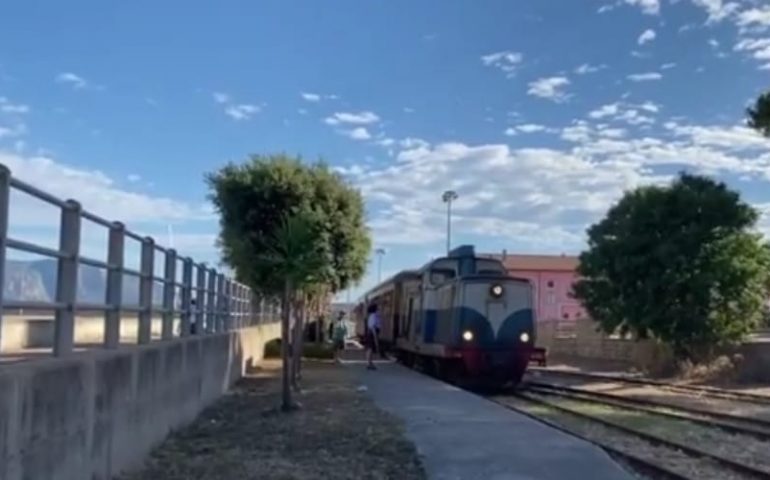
(524,337)
(496,291)
(467,335)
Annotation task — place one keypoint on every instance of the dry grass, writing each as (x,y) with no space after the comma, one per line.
(337,434)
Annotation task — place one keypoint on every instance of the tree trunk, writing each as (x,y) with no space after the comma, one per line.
(298,341)
(286,403)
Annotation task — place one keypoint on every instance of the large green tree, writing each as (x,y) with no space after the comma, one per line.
(269,207)
(680,263)
(759,114)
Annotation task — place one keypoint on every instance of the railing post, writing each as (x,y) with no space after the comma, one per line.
(220,317)
(211,301)
(226,304)
(169,291)
(67,278)
(146,284)
(187,274)
(114,295)
(228,318)
(5,198)
(200,300)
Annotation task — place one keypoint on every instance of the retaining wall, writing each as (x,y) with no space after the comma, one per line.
(93,414)
(580,339)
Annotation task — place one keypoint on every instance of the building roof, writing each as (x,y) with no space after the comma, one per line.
(554,263)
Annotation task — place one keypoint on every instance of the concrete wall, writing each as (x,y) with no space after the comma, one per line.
(579,338)
(93,414)
(20,332)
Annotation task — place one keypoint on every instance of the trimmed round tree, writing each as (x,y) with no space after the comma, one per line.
(681,263)
(292,230)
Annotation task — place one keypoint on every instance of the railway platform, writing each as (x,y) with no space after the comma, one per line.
(462,436)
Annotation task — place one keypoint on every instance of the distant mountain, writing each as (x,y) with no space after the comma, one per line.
(36,281)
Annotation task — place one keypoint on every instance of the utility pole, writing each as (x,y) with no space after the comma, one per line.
(380,252)
(448,197)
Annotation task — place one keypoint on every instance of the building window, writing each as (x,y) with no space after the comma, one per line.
(550,284)
(566,316)
(550,299)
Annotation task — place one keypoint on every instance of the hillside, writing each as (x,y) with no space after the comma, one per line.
(36,281)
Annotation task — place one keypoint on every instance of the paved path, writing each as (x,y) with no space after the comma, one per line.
(463,436)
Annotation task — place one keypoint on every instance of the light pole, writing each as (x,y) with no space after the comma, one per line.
(380,252)
(448,197)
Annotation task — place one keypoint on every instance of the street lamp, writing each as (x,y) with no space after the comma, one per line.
(380,252)
(448,197)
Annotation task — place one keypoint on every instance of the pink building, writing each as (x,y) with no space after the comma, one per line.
(552,277)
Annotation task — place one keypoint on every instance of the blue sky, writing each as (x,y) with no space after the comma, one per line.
(538,112)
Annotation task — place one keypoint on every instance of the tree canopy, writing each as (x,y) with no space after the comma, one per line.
(759,114)
(680,262)
(255,199)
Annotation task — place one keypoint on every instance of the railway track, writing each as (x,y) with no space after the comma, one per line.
(730,468)
(756,427)
(636,461)
(699,390)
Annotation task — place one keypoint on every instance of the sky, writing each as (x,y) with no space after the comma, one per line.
(538,113)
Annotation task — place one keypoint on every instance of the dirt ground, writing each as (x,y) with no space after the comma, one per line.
(337,434)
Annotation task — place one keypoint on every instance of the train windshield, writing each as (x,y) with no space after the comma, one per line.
(489,267)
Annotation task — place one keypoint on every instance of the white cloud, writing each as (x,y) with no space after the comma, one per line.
(649,7)
(717,10)
(16,130)
(243,111)
(316,97)
(506,61)
(96,191)
(221,97)
(75,81)
(551,88)
(713,42)
(359,118)
(645,77)
(587,68)
(668,66)
(754,17)
(608,110)
(311,97)
(531,128)
(6,106)
(646,36)
(759,48)
(236,111)
(528,128)
(358,133)
(134,178)
(524,195)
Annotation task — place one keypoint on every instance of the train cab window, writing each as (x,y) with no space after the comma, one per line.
(441,275)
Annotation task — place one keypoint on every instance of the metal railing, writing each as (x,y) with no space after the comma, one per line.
(214,302)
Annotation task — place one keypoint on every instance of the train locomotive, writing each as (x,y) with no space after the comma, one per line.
(460,317)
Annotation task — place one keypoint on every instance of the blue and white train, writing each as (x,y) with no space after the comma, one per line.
(460,317)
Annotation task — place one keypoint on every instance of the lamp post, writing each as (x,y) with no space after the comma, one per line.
(380,252)
(448,197)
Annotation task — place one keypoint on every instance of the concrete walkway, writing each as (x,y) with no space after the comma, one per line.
(462,436)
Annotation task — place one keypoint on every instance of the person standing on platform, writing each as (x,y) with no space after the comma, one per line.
(371,338)
(339,334)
